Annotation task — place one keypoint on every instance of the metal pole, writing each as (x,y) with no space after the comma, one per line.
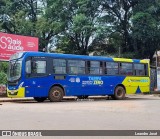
(156,70)
(119,52)
(156,59)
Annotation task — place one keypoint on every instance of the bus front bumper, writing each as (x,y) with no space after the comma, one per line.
(19,93)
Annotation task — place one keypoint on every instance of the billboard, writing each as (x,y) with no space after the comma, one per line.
(10,44)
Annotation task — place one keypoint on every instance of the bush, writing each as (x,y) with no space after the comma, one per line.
(3,67)
(3,78)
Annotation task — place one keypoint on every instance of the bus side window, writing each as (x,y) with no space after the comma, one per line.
(72,67)
(101,68)
(59,66)
(95,67)
(39,67)
(126,68)
(28,67)
(140,69)
(76,66)
(111,68)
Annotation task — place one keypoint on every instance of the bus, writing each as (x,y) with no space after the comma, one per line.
(52,76)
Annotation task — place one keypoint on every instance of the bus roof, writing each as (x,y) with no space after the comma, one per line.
(83,57)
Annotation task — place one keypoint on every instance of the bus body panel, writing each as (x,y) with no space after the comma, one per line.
(82,85)
(78,85)
(136,85)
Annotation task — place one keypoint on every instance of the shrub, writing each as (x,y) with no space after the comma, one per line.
(3,78)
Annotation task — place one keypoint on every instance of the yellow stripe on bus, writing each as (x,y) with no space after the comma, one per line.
(122,60)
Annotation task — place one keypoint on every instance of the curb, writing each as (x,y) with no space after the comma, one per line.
(14,100)
(5,99)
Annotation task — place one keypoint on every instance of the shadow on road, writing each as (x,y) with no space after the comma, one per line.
(132,98)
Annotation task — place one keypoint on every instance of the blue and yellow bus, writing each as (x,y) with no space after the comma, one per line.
(50,75)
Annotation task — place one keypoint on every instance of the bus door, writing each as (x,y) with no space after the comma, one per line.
(36,77)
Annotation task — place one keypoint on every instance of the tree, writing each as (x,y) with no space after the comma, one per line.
(145,30)
(3,67)
(78,22)
(22,16)
(120,11)
(3,78)
(84,26)
(3,72)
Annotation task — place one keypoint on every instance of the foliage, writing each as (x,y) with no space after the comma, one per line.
(126,28)
(77,23)
(3,67)
(21,17)
(145,30)
(3,78)
(3,72)
(121,12)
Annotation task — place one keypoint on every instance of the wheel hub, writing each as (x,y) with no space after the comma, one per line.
(119,93)
(56,93)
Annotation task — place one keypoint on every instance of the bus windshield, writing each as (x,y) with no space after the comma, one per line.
(14,72)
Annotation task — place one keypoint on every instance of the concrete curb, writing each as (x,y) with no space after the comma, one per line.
(5,99)
(15,99)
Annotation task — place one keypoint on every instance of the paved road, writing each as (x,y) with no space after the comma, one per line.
(136,112)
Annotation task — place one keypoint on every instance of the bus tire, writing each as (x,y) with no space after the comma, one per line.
(40,99)
(56,94)
(119,93)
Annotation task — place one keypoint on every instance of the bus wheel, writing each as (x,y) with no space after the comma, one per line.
(55,94)
(119,93)
(40,99)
